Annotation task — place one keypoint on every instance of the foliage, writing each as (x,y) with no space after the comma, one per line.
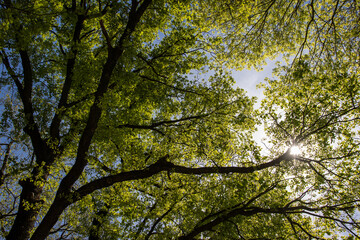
(120,120)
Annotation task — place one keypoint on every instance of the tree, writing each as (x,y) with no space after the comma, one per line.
(120,120)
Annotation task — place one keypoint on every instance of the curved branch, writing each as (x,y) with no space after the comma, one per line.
(157,221)
(167,122)
(333,119)
(256,210)
(163,165)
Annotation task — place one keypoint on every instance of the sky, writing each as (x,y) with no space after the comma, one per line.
(248,80)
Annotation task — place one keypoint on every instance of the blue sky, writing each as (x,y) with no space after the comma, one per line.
(249,79)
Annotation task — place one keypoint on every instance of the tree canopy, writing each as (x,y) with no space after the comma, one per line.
(120,120)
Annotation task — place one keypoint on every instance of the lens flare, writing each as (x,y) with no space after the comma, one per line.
(295,150)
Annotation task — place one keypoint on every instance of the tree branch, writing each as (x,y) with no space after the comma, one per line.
(60,203)
(105,33)
(4,163)
(11,72)
(167,122)
(163,165)
(252,211)
(55,124)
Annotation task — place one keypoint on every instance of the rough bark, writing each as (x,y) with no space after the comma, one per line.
(30,197)
(63,195)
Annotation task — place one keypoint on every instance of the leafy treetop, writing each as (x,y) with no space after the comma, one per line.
(120,120)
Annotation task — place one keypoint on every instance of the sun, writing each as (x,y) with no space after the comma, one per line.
(295,150)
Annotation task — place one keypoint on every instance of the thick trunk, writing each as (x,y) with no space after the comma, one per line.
(32,193)
(56,209)
(63,194)
(29,206)
(32,189)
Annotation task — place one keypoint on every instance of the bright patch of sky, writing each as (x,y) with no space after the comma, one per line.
(248,80)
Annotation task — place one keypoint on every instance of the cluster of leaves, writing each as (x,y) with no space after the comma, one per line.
(120,120)
(324,121)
